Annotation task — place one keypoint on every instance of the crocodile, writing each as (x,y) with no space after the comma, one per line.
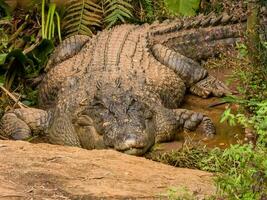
(122,88)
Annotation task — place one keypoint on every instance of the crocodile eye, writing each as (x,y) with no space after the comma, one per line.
(97,101)
(132,101)
(148,114)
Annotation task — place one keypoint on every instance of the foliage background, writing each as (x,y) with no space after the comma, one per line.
(30,29)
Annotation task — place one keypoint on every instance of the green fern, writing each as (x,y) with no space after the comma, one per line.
(81,17)
(148,6)
(116,11)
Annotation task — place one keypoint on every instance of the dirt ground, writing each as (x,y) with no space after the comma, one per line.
(44,171)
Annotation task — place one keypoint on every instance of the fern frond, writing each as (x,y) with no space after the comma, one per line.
(81,17)
(144,10)
(116,11)
(148,6)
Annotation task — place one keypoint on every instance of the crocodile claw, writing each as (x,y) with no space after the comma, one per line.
(207,127)
(210,86)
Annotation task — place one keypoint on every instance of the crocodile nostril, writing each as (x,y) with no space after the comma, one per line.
(130,142)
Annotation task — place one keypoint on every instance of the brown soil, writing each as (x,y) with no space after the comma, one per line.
(44,171)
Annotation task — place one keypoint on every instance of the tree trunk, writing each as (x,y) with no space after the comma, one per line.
(253,39)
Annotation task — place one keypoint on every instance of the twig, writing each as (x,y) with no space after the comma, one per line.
(29,49)
(16,34)
(11,195)
(21,105)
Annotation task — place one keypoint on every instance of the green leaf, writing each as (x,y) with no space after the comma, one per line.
(81,14)
(116,11)
(4,8)
(183,7)
(40,54)
(3,58)
(17,54)
(16,62)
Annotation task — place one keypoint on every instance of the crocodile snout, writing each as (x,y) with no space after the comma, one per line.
(134,144)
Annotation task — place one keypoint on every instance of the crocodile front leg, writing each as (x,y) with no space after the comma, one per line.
(194,76)
(23,123)
(191,120)
(62,130)
(87,133)
(169,122)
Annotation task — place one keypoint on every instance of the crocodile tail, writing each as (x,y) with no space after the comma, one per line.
(200,21)
(187,69)
(202,36)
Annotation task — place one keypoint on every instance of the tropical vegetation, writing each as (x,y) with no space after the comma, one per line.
(30,29)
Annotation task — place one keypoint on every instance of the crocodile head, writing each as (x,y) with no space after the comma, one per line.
(125,122)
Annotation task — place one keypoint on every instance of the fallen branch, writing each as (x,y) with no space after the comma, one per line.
(16,100)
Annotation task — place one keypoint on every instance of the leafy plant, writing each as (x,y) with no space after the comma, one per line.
(186,157)
(48,22)
(81,17)
(181,193)
(256,121)
(143,10)
(15,66)
(148,7)
(23,51)
(15,37)
(183,7)
(229,117)
(242,49)
(241,171)
(19,64)
(116,11)
(4,9)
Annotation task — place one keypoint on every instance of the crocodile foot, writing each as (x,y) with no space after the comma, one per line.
(206,126)
(210,86)
(21,124)
(192,121)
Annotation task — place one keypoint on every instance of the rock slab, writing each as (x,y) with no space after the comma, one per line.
(44,171)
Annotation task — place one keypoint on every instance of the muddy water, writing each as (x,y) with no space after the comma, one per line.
(225,134)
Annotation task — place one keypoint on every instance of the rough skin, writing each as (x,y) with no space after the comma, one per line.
(122,88)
